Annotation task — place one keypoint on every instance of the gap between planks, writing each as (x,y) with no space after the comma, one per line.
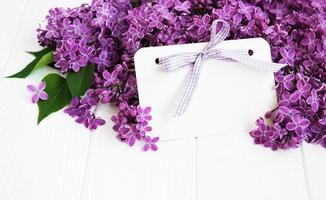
(305,172)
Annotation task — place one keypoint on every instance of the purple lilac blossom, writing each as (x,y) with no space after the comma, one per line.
(107,33)
(38,92)
(150,143)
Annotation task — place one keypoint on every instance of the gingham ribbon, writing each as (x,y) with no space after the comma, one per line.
(195,61)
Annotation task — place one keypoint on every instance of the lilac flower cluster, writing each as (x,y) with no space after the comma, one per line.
(82,110)
(131,124)
(297,34)
(107,33)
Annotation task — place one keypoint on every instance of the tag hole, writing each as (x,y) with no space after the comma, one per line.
(157,61)
(250,52)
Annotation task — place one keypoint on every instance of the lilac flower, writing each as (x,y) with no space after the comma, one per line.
(143,127)
(85,49)
(78,62)
(287,57)
(143,114)
(83,117)
(279,10)
(64,26)
(285,99)
(110,78)
(182,6)
(101,61)
(298,124)
(321,53)
(313,100)
(263,134)
(38,92)
(309,41)
(93,123)
(51,32)
(165,12)
(285,81)
(73,110)
(103,9)
(225,13)
(278,130)
(203,24)
(76,26)
(249,29)
(303,89)
(166,3)
(288,111)
(107,96)
(150,143)
(156,21)
(130,134)
(278,34)
(245,10)
(90,99)
(99,20)
(237,18)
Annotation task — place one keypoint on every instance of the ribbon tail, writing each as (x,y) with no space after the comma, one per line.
(177,62)
(254,63)
(190,88)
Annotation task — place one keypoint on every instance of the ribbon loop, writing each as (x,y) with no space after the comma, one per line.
(195,61)
(217,38)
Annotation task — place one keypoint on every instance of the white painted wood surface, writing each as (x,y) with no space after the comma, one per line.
(60,160)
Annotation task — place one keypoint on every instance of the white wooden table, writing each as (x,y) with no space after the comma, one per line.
(61,160)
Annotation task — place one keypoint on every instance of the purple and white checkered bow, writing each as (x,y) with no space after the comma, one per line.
(195,60)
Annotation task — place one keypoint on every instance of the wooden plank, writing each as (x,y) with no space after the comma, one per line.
(315,165)
(11,15)
(37,162)
(231,167)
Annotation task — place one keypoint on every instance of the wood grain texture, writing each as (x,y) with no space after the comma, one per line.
(60,160)
(231,167)
(314,158)
(36,162)
(10,22)
(116,171)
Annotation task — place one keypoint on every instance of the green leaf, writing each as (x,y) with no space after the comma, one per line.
(43,58)
(59,96)
(32,53)
(79,82)
(41,52)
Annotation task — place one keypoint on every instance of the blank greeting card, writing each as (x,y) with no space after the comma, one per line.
(229,96)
